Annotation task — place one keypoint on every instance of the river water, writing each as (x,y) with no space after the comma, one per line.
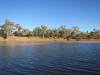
(54,58)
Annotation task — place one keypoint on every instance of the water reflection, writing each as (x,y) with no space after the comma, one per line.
(50,59)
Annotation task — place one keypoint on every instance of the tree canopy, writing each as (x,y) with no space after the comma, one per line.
(11,29)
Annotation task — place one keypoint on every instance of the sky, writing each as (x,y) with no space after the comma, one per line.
(32,13)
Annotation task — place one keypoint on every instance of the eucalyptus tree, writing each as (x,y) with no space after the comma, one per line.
(48,33)
(54,33)
(95,34)
(37,31)
(75,32)
(26,32)
(68,34)
(88,35)
(43,30)
(18,27)
(62,31)
(84,35)
(98,34)
(2,34)
(7,28)
(18,30)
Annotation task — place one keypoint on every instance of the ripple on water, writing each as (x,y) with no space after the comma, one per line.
(50,59)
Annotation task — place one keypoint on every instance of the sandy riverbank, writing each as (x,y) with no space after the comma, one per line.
(13,39)
(30,39)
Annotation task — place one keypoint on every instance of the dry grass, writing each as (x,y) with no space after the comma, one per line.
(26,39)
(37,39)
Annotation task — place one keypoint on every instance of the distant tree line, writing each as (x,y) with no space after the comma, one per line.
(11,29)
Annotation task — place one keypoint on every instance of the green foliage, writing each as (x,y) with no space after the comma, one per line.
(11,29)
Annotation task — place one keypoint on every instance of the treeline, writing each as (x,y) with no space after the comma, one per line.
(11,29)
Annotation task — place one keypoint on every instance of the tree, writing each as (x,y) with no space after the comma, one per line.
(56,33)
(68,34)
(7,28)
(95,34)
(43,30)
(83,35)
(18,30)
(62,31)
(25,32)
(18,27)
(37,31)
(75,32)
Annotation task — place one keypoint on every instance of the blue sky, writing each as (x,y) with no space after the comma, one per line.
(31,13)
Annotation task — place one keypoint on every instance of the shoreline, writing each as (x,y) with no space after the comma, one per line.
(13,39)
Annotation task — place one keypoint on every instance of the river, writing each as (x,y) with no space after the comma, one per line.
(56,58)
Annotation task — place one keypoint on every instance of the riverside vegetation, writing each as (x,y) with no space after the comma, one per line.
(11,29)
